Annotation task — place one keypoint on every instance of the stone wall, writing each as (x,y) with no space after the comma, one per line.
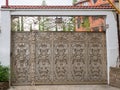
(115,77)
(4,85)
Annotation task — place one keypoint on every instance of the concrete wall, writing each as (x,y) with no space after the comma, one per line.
(111,32)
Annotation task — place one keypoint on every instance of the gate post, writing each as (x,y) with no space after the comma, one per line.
(112,42)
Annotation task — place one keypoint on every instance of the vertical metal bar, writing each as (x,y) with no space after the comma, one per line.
(7,3)
(52,57)
(32,58)
(117,15)
(119,4)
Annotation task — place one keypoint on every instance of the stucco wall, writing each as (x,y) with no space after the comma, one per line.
(5,38)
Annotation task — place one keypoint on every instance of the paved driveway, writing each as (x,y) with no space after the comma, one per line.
(65,87)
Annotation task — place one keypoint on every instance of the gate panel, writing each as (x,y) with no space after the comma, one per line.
(78,57)
(96,58)
(61,58)
(43,60)
(20,59)
(58,58)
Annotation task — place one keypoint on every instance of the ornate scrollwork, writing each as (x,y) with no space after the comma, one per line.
(78,61)
(43,61)
(58,58)
(96,67)
(20,58)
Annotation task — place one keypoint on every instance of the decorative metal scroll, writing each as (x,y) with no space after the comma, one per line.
(58,23)
(20,59)
(58,58)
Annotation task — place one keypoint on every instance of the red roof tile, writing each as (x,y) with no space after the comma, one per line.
(57,7)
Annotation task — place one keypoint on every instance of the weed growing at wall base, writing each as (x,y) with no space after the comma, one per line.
(4,73)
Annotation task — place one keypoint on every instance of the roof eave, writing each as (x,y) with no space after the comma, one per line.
(9,9)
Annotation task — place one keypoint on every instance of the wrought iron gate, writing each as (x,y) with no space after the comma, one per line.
(58,58)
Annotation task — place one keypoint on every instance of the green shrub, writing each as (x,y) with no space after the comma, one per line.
(4,73)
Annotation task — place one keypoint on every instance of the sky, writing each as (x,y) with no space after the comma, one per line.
(37,2)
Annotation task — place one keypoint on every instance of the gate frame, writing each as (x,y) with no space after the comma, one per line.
(111,31)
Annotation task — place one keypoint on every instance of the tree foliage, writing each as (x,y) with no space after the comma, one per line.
(4,73)
(86,23)
(74,1)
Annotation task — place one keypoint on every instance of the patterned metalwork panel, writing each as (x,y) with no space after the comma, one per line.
(96,57)
(58,58)
(61,57)
(20,59)
(43,60)
(78,57)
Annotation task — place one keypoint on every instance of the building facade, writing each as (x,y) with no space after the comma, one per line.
(96,23)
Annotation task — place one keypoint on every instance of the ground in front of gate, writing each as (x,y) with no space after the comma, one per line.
(65,87)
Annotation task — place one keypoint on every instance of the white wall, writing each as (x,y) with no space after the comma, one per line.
(111,41)
(111,33)
(5,38)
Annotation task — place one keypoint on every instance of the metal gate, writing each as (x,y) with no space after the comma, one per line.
(58,58)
